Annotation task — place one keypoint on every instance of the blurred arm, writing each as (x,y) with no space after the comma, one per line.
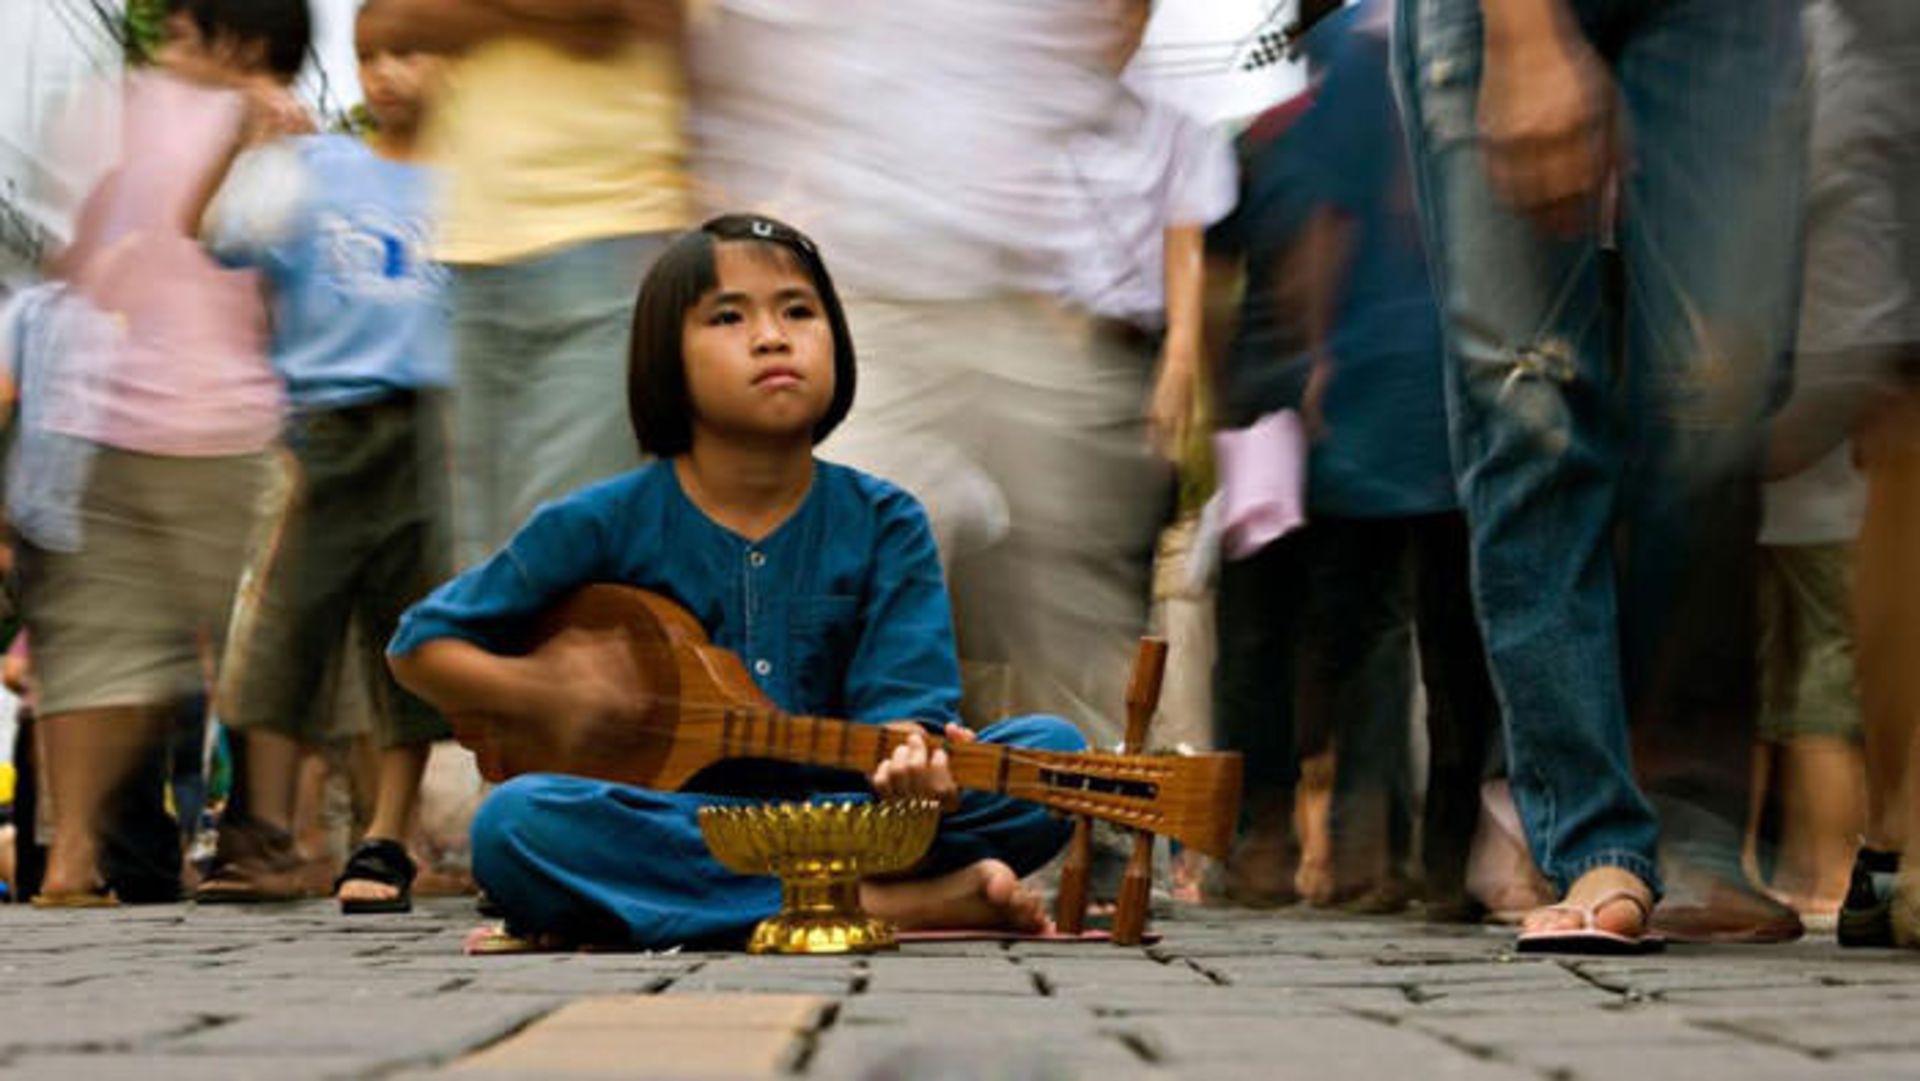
(1170,409)
(1511,22)
(459,677)
(1326,250)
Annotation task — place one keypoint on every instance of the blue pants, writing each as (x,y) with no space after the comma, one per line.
(592,861)
(1580,419)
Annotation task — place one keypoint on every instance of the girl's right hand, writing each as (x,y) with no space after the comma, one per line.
(581,692)
(591,679)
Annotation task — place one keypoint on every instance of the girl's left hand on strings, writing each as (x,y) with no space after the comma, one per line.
(916,770)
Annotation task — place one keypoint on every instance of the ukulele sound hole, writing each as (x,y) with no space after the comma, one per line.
(1084,782)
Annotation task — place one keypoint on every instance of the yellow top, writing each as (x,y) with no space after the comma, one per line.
(539,149)
(6,783)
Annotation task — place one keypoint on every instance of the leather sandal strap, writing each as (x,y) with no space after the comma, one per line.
(379,860)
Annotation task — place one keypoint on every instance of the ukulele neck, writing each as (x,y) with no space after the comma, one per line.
(860,748)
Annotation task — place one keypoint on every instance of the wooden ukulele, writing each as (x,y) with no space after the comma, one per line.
(705,708)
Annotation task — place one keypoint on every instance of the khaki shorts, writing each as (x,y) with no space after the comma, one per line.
(354,533)
(131,619)
(1806,643)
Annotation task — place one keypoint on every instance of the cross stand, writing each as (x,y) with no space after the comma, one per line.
(1136,887)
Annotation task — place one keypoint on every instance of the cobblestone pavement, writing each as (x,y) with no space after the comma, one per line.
(297,992)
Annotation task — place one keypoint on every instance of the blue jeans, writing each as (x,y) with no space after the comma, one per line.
(1583,417)
(592,861)
(541,373)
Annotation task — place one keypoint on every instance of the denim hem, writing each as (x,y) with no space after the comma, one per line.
(1633,863)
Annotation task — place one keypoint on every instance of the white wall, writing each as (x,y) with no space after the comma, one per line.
(333,49)
(48,49)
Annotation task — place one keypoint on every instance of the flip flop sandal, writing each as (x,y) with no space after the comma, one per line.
(1588,938)
(383,861)
(102,898)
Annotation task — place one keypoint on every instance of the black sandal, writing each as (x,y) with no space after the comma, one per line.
(383,861)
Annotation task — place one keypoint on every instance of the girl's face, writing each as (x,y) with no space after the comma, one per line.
(758,348)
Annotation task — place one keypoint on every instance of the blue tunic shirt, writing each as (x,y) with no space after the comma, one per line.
(842,611)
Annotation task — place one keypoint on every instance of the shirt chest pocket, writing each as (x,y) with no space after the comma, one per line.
(823,630)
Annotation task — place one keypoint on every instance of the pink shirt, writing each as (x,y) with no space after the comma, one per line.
(189,376)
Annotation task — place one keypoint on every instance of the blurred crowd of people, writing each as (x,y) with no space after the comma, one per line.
(1523,419)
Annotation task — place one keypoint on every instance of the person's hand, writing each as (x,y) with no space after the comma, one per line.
(915,771)
(1170,404)
(1313,400)
(16,674)
(1546,123)
(273,113)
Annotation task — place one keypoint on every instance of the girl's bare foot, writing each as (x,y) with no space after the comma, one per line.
(982,894)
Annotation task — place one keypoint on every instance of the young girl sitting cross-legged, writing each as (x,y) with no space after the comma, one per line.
(825,581)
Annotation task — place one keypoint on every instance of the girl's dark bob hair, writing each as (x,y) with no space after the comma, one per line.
(658,402)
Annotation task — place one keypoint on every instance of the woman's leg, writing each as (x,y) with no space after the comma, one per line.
(90,754)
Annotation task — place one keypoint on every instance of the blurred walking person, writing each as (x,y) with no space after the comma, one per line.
(178,408)
(358,529)
(560,139)
(1513,110)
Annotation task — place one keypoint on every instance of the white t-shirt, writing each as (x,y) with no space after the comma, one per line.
(913,141)
(1148,167)
(1822,505)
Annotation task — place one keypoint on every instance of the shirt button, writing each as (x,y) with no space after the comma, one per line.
(757,558)
(762,666)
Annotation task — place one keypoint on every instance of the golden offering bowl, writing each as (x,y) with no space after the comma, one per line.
(821,851)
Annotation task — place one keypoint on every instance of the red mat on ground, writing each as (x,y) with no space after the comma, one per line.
(989,935)
(489,940)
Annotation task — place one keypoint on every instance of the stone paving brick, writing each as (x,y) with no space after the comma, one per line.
(1033,1055)
(142,1067)
(1730,1061)
(29,1024)
(612,1053)
(1532,1003)
(1894,1026)
(563,981)
(1060,972)
(397,1031)
(1316,1047)
(987,976)
(627,1036)
(780,1013)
